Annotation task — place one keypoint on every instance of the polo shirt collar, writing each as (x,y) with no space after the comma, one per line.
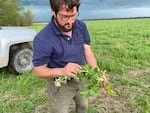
(55,28)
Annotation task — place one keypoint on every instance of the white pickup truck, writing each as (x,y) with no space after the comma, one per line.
(16,48)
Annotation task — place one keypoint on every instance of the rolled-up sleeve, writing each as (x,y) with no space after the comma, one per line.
(41,52)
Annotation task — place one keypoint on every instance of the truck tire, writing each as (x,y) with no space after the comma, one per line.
(21,60)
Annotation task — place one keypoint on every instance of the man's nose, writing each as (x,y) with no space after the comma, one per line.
(70,20)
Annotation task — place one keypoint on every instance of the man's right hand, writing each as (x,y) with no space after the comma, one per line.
(71,69)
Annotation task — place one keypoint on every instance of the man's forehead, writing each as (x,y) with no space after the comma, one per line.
(66,8)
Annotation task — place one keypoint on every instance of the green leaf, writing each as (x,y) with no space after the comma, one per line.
(93,77)
(111,92)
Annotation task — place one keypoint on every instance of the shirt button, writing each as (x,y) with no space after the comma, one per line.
(68,38)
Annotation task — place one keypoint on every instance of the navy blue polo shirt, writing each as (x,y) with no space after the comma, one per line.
(55,49)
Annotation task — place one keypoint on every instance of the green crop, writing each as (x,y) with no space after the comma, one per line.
(93,78)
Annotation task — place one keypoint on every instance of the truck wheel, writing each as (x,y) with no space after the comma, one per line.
(21,60)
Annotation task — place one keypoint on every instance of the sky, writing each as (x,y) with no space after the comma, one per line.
(115,8)
(119,3)
(95,9)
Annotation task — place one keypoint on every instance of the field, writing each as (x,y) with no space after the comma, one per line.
(122,47)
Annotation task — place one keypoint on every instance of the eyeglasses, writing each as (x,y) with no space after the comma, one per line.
(66,17)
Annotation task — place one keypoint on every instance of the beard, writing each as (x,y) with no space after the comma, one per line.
(62,27)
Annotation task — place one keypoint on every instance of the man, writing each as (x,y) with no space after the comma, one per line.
(60,49)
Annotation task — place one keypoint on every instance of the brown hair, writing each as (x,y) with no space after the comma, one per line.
(56,4)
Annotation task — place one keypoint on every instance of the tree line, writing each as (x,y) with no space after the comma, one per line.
(11,13)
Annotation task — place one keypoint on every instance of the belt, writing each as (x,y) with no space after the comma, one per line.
(68,80)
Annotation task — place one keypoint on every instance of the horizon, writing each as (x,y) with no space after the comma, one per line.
(97,9)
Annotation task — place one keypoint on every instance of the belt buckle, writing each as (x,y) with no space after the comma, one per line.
(68,80)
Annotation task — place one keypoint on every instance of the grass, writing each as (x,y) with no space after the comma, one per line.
(121,43)
(122,47)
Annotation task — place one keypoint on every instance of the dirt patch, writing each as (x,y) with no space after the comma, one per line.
(139,72)
(125,101)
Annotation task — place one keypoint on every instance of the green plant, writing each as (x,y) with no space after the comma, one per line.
(94,78)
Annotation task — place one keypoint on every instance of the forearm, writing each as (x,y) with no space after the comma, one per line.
(91,60)
(70,69)
(45,72)
(89,56)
